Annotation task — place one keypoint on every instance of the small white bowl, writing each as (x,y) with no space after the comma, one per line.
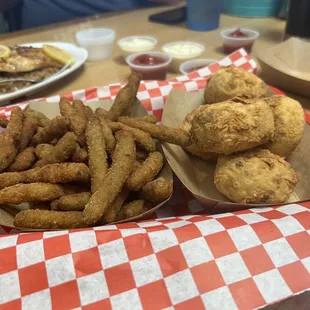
(195,64)
(231,44)
(150,72)
(97,41)
(180,51)
(131,45)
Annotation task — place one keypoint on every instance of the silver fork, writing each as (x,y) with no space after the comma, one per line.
(65,67)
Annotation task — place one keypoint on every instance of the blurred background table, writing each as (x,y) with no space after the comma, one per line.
(134,22)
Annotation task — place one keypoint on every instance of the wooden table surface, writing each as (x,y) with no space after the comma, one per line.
(136,22)
(115,70)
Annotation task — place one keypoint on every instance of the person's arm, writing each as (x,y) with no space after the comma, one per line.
(6,5)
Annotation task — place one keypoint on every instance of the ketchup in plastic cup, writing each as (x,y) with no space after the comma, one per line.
(152,65)
(235,38)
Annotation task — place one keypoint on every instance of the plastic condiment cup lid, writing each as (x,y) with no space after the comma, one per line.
(251,34)
(131,58)
(92,35)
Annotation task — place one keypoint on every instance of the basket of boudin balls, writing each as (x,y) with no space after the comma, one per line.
(249,147)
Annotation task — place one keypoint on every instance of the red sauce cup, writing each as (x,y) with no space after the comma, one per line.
(150,71)
(233,43)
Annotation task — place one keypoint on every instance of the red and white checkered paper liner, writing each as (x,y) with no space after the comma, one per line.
(240,260)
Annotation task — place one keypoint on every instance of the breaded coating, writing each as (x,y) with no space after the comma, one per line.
(43,150)
(15,126)
(232,126)
(148,118)
(97,154)
(166,134)
(131,209)
(256,177)
(74,188)
(157,190)
(146,172)
(55,130)
(10,178)
(116,206)
(89,113)
(80,155)
(193,148)
(289,121)
(44,219)
(58,173)
(124,158)
(102,113)
(23,161)
(41,119)
(3,122)
(19,193)
(125,98)
(29,129)
(230,82)
(79,109)
(107,135)
(7,151)
(143,139)
(61,152)
(77,121)
(73,202)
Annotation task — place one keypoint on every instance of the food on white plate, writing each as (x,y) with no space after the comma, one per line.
(25,62)
(232,126)
(289,121)
(256,177)
(229,82)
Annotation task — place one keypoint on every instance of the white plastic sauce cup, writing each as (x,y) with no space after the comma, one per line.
(97,41)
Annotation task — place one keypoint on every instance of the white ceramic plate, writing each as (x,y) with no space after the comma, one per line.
(80,55)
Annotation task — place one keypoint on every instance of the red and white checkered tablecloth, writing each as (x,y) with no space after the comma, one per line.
(181,259)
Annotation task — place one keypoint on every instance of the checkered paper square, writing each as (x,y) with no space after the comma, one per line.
(179,260)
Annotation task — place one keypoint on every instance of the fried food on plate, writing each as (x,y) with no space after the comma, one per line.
(29,129)
(43,150)
(256,177)
(141,155)
(41,119)
(108,135)
(80,155)
(61,152)
(143,139)
(116,206)
(77,120)
(102,113)
(72,202)
(131,209)
(146,171)
(148,118)
(45,219)
(40,205)
(289,121)
(10,178)
(89,113)
(124,158)
(156,191)
(232,126)
(55,130)
(98,164)
(19,193)
(193,148)
(3,122)
(79,109)
(23,161)
(125,98)
(57,173)
(162,133)
(230,82)
(7,151)
(15,126)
